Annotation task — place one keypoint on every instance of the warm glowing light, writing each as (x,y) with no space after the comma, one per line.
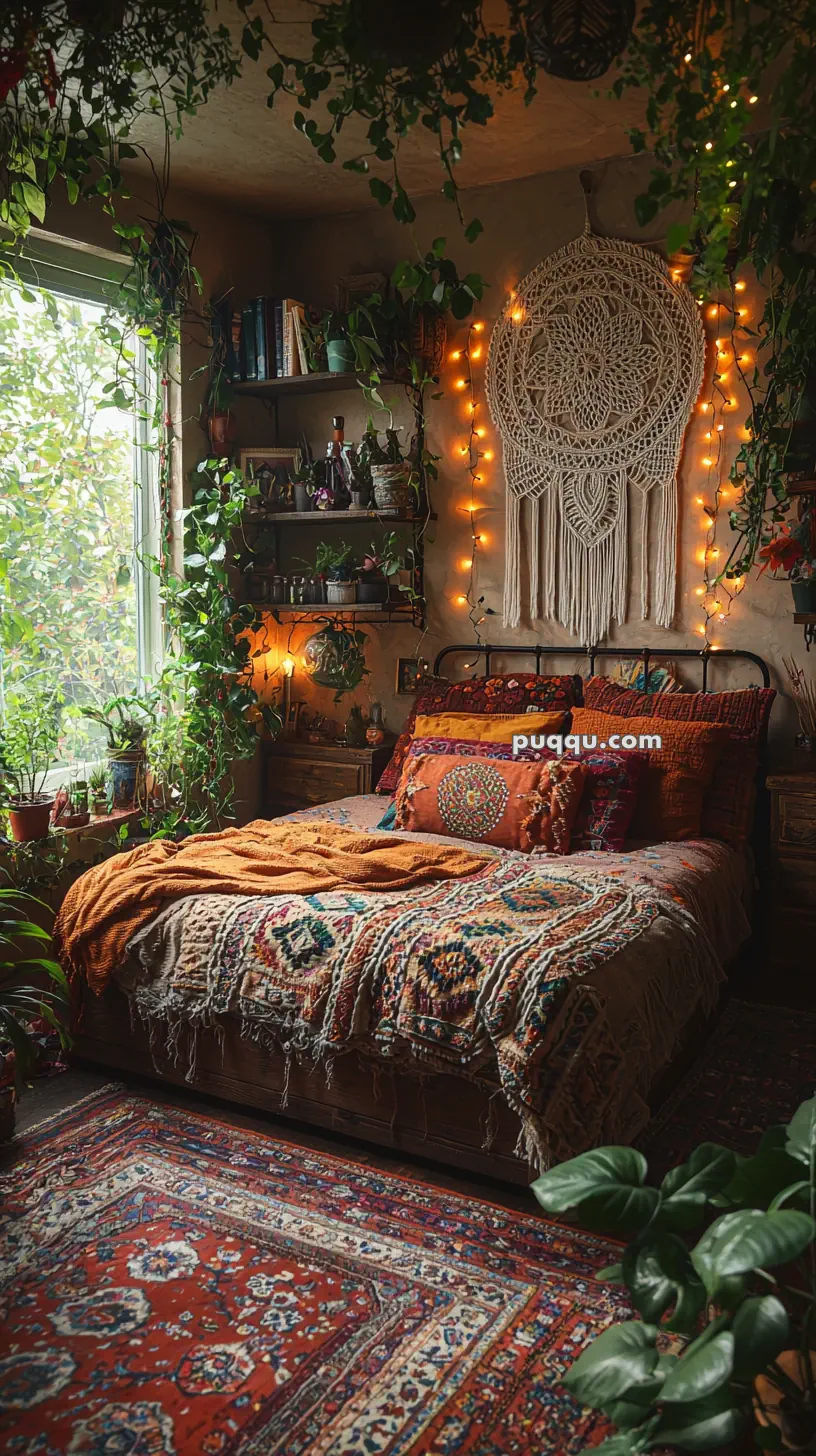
(732,183)
(738,583)
(701,630)
(687,57)
(287,666)
(466,563)
(478,328)
(477,352)
(473,405)
(720,429)
(488,454)
(714,310)
(727,86)
(752,100)
(704,406)
(482,539)
(462,601)
(733,104)
(717,606)
(722,353)
(707,460)
(461,383)
(463,450)
(517,315)
(478,479)
(744,359)
(700,591)
(707,435)
(457,354)
(715,551)
(701,556)
(733,403)
(480,432)
(699,500)
(708,146)
(739,286)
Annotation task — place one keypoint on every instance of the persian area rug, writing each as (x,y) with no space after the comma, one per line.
(174,1286)
(754,1071)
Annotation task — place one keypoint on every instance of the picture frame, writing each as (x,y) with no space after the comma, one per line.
(408,675)
(272,467)
(355,286)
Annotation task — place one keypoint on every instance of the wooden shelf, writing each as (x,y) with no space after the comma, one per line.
(805,619)
(802,487)
(332,518)
(384,610)
(292,384)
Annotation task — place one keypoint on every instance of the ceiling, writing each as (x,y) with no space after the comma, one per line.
(239,150)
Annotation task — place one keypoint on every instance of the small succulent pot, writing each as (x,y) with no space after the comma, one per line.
(99,808)
(341,593)
(359,500)
(374,589)
(30,818)
(804,596)
(303,497)
(339,356)
(127,772)
(392,490)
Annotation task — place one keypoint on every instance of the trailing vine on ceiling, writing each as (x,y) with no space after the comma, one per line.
(731,120)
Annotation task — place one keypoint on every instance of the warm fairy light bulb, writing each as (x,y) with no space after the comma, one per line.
(477,352)
(478,328)
(714,310)
(702,630)
(457,354)
(466,563)
(517,315)
(704,406)
(708,146)
(732,183)
(720,429)
(699,501)
(742,313)
(462,601)
(463,450)
(477,479)
(480,433)
(287,666)
(715,551)
(707,435)
(739,286)
(700,591)
(752,100)
(701,556)
(461,383)
(727,86)
(707,460)
(488,454)
(687,57)
(473,406)
(733,104)
(717,606)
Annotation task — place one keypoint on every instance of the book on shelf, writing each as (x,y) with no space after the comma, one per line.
(272,342)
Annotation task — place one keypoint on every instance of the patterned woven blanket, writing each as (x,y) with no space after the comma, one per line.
(489,977)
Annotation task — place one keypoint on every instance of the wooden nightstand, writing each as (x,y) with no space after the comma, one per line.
(298,775)
(792,918)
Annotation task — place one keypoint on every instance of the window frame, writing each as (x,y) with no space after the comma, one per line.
(72,269)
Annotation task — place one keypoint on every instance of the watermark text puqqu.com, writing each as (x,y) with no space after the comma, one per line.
(585,742)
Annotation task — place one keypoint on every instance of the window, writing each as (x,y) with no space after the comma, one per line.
(78,513)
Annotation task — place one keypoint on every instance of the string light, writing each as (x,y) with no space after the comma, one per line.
(461,384)
(457,354)
(471,354)
(752,100)
(478,327)
(708,146)
(740,286)
(687,57)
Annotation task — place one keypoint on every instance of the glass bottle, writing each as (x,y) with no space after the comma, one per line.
(335,467)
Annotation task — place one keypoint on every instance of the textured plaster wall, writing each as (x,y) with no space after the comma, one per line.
(524,221)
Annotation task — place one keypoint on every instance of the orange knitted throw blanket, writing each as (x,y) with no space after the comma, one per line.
(110,902)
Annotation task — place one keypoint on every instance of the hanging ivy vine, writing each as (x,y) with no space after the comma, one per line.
(731,119)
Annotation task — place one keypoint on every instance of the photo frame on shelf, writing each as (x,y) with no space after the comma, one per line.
(272,468)
(355,286)
(408,675)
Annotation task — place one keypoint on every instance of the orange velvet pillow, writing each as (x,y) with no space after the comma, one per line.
(670,796)
(505,802)
(486,727)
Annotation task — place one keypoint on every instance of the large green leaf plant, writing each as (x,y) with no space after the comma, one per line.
(31,986)
(721,1256)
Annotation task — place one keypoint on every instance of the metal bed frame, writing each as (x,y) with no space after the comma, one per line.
(703,655)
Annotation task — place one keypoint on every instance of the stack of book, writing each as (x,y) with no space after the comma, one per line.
(267,340)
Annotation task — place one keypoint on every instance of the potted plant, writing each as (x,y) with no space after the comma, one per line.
(792,550)
(336,565)
(23,1001)
(73,811)
(98,785)
(126,720)
(721,1254)
(378,566)
(335,658)
(339,350)
(28,748)
(303,485)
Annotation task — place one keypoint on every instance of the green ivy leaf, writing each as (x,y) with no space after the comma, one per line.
(473,229)
(381,191)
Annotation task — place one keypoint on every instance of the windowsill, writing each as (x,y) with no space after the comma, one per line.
(105,821)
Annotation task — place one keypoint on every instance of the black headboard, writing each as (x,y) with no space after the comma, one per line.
(703,655)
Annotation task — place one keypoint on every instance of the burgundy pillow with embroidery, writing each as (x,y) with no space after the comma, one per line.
(510,692)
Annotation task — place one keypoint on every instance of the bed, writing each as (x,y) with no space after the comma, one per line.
(496,1024)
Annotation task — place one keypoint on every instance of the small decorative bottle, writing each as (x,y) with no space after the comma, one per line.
(335,467)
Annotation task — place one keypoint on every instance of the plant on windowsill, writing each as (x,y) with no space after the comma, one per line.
(127,720)
(98,790)
(23,1001)
(741,1294)
(28,748)
(73,813)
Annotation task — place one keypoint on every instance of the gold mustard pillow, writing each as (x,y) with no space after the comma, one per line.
(485,727)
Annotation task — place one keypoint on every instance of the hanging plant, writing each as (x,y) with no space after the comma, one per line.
(731,121)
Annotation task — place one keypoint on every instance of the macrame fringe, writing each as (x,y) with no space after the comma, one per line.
(535,555)
(512,562)
(592,579)
(666,564)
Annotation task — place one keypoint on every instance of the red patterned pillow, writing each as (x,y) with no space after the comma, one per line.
(609,800)
(610,793)
(501,693)
(728,804)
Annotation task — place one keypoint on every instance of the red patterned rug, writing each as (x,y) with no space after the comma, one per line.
(174,1286)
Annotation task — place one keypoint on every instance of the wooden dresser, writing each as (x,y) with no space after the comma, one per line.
(792,912)
(298,775)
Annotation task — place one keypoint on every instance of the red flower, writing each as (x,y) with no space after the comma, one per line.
(781,553)
(12,70)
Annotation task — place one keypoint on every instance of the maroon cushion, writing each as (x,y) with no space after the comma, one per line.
(510,692)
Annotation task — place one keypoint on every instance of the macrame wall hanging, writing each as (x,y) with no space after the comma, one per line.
(591,378)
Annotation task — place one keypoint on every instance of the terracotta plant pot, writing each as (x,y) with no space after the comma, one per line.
(392,491)
(30,818)
(222,430)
